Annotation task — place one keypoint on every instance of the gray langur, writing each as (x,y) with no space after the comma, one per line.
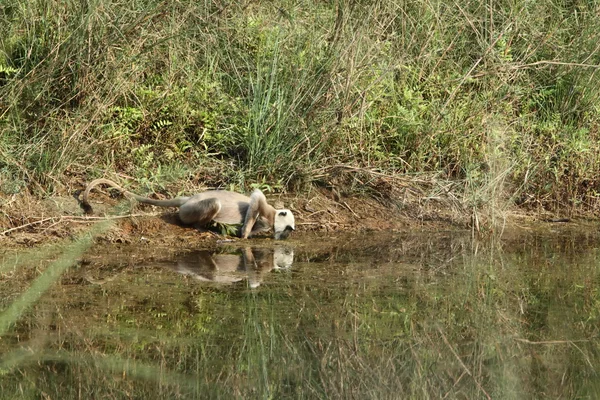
(220,206)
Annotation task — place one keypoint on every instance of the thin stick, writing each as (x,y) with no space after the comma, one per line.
(348,207)
(73,219)
(553,62)
(463,364)
(550,341)
(540,63)
(26,225)
(455,383)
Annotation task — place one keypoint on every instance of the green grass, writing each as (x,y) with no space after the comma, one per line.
(500,97)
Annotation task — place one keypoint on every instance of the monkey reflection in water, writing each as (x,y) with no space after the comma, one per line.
(224,268)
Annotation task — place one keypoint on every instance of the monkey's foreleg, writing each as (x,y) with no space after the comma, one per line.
(248,223)
(257,198)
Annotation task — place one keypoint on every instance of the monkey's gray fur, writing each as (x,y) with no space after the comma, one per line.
(216,205)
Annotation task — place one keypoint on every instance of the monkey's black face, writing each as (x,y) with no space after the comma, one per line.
(281,235)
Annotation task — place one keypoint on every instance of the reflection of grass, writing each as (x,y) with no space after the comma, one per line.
(69,256)
(258,342)
(90,364)
(454,324)
(31,257)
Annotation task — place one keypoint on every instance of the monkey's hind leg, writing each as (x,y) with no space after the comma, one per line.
(201,213)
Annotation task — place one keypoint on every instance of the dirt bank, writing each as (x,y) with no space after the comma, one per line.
(29,221)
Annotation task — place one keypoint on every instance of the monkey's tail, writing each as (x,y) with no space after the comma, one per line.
(85,203)
(87,208)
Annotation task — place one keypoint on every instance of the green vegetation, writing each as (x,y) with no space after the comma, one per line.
(499,97)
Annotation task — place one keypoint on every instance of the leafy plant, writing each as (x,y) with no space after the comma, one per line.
(268,188)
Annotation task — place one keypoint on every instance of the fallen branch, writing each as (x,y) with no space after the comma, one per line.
(26,225)
(77,219)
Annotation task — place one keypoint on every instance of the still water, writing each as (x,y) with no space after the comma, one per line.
(420,315)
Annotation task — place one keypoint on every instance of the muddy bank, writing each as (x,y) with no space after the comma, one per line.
(27,221)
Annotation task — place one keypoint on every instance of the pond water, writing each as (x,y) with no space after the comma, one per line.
(420,315)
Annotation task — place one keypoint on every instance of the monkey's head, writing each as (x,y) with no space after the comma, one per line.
(284,224)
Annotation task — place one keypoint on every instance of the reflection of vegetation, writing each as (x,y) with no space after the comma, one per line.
(422,318)
(71,253)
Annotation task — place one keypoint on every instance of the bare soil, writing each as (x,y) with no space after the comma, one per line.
(27,221)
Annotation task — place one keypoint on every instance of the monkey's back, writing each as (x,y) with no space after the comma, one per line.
(233,205)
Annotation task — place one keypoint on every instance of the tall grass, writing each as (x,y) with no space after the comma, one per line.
(271,92)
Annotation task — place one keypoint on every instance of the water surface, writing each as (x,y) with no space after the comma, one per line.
(421,315)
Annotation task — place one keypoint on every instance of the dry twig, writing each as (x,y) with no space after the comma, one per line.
(70,218)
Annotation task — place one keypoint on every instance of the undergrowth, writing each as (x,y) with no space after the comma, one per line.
(496,101)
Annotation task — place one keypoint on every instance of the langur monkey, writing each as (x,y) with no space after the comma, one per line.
(220,206)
